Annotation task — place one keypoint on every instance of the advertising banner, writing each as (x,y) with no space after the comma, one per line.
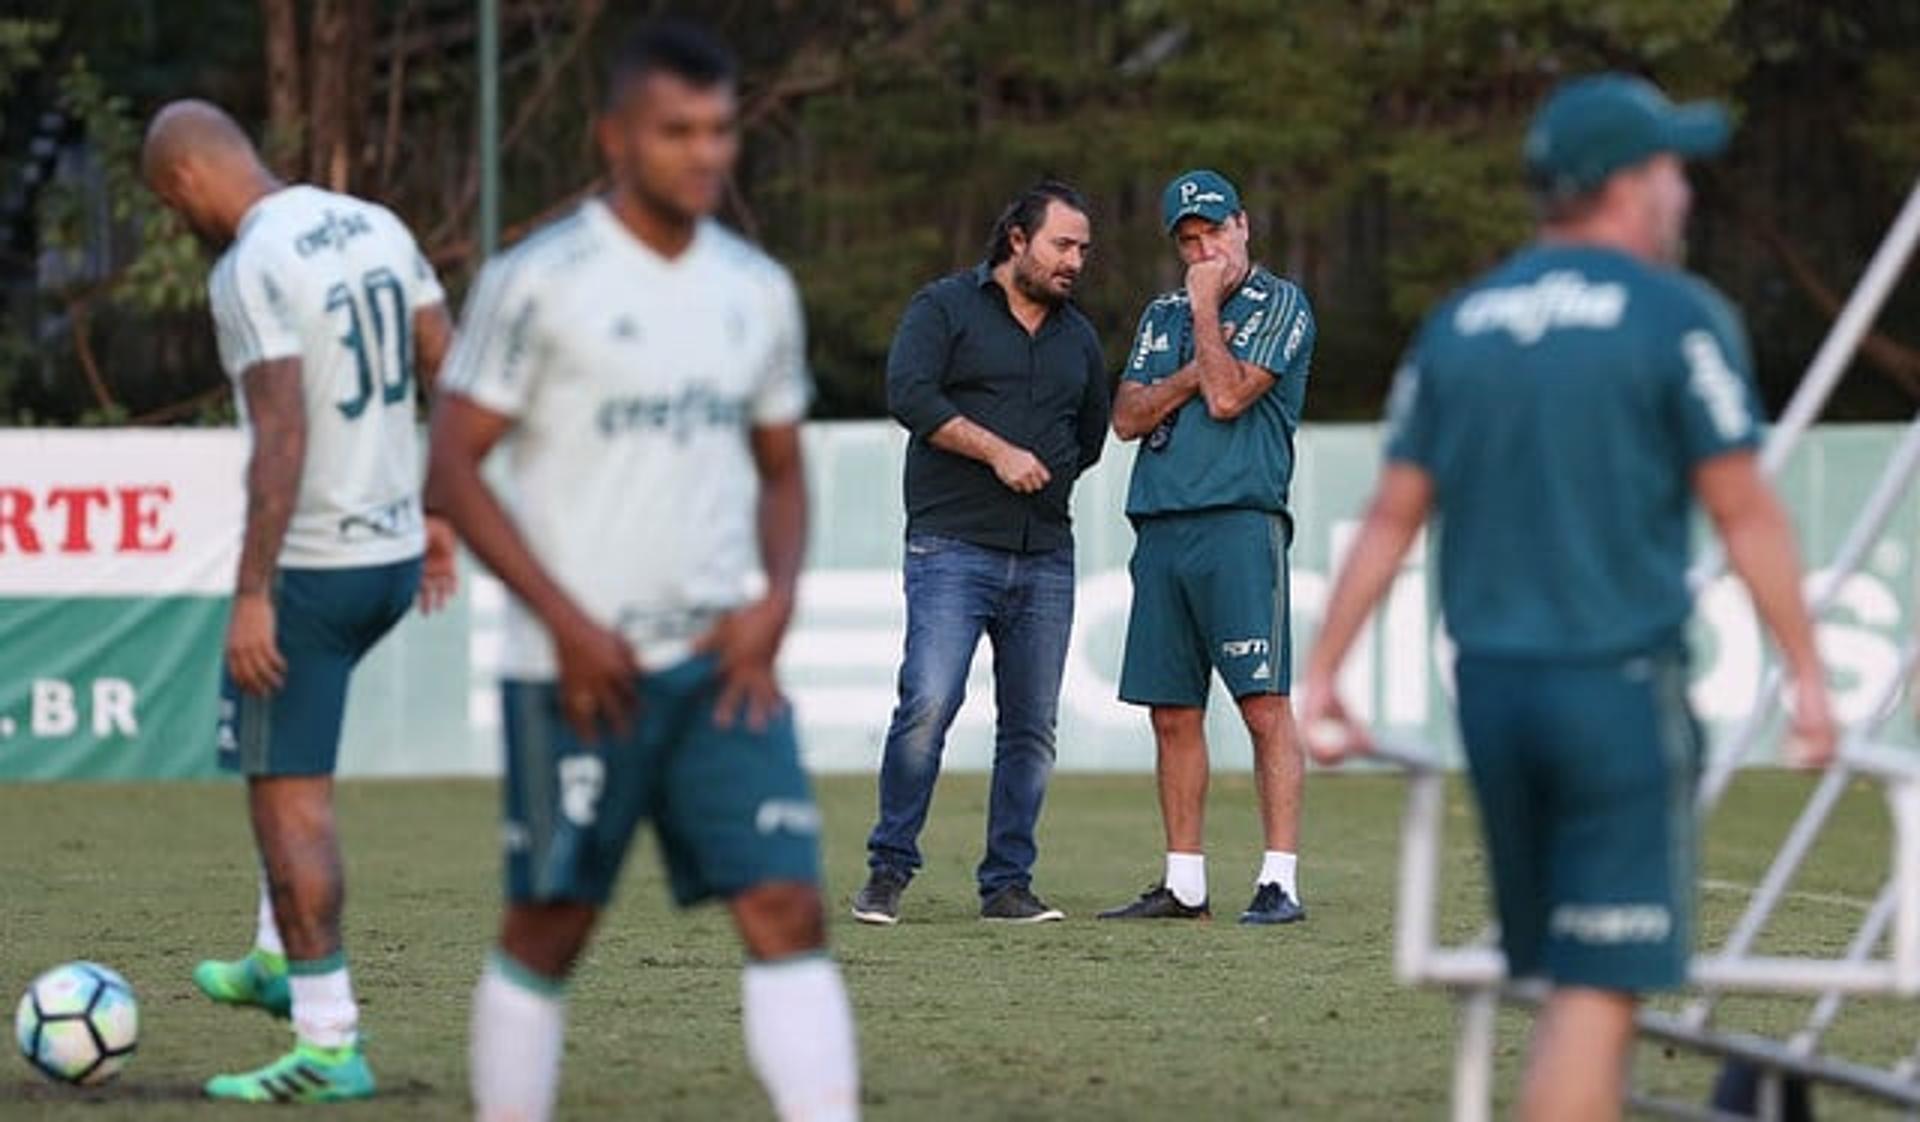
(117,550)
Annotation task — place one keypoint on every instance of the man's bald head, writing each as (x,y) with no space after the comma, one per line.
(201,164)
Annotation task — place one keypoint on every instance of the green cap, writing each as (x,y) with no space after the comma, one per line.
(1202,192)
(1591,127)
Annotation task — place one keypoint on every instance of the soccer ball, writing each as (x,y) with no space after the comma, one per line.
(78,1023)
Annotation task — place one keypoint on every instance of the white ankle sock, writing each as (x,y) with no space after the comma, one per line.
(513,1057)
(323,1008)
(1278,868)
(266,936)
(1187,878)
(800,1038)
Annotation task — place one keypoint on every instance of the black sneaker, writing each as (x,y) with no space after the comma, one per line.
(1158,902)
(1016,903)
(1271,904)
(878,902)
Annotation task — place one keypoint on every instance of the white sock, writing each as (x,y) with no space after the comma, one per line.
(1278,868)
(323,1008)
(800,1040)
(266,936)
(1187,878)
(513,1057)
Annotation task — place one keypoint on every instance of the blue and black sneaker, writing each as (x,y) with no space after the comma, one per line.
(1271,904)
(1158,902)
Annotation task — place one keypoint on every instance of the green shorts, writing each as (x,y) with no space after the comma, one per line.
(1209,593)
(732,807)
(1585,774)
(325,621)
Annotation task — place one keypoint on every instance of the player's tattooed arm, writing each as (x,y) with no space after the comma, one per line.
(277,413)
(439,573)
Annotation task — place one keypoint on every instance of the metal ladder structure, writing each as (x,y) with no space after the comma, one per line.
(1476,973)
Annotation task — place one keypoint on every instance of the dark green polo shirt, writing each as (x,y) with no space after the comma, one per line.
(1561,404)
(1193,462)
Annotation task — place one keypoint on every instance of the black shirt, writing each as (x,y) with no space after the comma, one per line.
(960,352)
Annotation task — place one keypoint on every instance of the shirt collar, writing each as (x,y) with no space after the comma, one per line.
(985,282)
(257,211)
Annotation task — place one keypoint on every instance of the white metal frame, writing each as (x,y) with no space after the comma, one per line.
(1476,973)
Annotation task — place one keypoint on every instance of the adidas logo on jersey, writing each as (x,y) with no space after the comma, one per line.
(1150,344)
(1559,299)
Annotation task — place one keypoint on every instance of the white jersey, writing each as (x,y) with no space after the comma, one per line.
(334,281)
(633,381)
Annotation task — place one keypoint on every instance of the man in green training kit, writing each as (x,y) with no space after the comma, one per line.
(1559,416)
(1214,389)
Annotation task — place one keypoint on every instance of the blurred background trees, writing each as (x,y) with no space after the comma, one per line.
(1376,143)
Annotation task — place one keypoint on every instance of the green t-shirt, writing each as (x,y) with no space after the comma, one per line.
(1193,462)
(1560,404)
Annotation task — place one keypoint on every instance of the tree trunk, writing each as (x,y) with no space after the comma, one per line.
(285,142)
(341,71)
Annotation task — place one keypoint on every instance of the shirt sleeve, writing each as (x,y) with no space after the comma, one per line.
(1154,354)
(426,285)
(494,362)
(1410,420)
(253,322)
(1283,345)
(916,365)
(423,286)
(1096,408)
(1714,399)
(785,388)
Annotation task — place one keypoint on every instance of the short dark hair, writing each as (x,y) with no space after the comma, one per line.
(685,50)
(1027,213)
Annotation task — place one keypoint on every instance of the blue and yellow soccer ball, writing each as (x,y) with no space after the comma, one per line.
(78,1023)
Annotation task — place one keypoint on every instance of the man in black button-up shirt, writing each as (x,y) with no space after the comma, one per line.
(1001,383)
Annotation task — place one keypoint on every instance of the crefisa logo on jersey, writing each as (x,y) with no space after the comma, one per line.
(696,408)
(333,232)
(1562,298)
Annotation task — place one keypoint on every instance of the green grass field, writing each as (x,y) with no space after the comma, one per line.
(958,1019)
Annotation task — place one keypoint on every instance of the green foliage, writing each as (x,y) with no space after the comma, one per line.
(1376,143)
(1887,130)
(164,270)
(22,42)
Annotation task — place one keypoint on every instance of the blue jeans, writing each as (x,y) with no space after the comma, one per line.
(1023,602)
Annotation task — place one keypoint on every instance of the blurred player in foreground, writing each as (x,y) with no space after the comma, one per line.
(1559,417)
(646,371)
(325,311)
